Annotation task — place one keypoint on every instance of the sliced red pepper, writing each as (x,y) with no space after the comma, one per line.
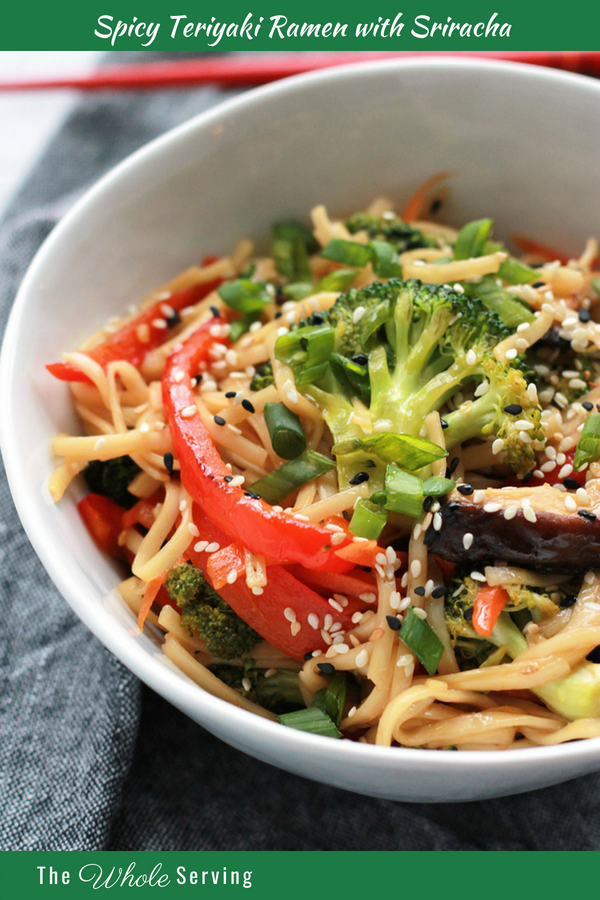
(142,513)
(266,612)
(535,248)
(126,344)
(352,584)
(103,520)
(552,477)
(227,559)
(252,522)
(489,603)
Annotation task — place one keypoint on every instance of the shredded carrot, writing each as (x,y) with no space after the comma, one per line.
(152,589)
(415,206)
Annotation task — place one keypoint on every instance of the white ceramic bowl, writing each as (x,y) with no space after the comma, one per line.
(525,142)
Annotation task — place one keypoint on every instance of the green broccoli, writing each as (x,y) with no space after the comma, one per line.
(562,376)
(263,377)
(111,478)
(204,612)
(391,229)
(280,692)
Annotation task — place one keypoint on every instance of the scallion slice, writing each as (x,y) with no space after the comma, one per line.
(595,283)
(285,430)
(368,520)
(338,280)
(510,310)
(386,263)
(290,248)
(420,637)
(291,475)
(314,720)
(472,238)
(588,446)
(306,350)
(512,270)
(352,376)
(437,486)
(244,296)
(349,253)
(408,452)
(404,492)
(332,698)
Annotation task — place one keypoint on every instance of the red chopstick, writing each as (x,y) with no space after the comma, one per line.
(259,68)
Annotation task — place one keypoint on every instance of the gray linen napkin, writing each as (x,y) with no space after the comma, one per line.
(88,758)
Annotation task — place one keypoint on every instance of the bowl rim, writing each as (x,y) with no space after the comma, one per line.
(160,678)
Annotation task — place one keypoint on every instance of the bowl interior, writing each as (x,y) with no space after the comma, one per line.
(338,138)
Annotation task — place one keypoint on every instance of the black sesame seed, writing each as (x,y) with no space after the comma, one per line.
(173,319)
(420,591)
(587,405)
(228,478)
(219,420)
(168,461)
(447,473)
(427,503)
(586,514)
(584,315)
(215,312)
(443,423)
(317,319)
(464,489)
(537,284)
(278,315)
(469,614)
(454,464)
(326,668)
(393,622)
(360,359)
(308,655)
(527,478)
(438,592)
(359,478)
(435,206)
(248,406)
(230,394)
(569,600)
(513,409)
(594,655)
(571,484)
(198,377)
(253,495)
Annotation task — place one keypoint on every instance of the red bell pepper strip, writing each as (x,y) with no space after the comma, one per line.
(126,343)
(252,522)
(103,520)
(266,612)
(527,245)
(227,559)
(552,477)
(489,603)
(352,584)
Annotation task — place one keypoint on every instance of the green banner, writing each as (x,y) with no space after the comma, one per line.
(288,875)
(282,25)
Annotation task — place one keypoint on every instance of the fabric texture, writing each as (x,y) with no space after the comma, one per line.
(89,759)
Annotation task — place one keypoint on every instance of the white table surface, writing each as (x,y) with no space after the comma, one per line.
(28,119)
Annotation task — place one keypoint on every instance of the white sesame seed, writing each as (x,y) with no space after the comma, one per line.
(566,470)
(328,622)
(471,358)
(415,568)
(188,412)
(313,621)
(477,576)
(492,507)
(290,614)
(337,626)
(215,330)
(381,559)
(391,555)
(577,384)
(481,389)
(341,648)
(497,446)
(331,527)
(570,503)
(159,323)
(282,330)
(246,684)
(367,598)
(362,658)
(337,538)
(478,496)
(358,314)
(524,437)
(561,400)
(237,481)
(356,617)
(525,424)
(417,531)
(589,577)
(341,599)
(193,530)
(292,396)
(257,590)
(437,522)
(529,514)
(467,540)
(232,577)
(351,712)
(301,517)
(420,613)
(394,600)
(548,466)
(404,580)
(510,512)
(200,546)
(511,354)
(547,395)
(550,452)
(582,496)
(295,628)
(100,444)
(404,604)
(182,505)
(337,606)
(522,343)
(212,547)
(382,425)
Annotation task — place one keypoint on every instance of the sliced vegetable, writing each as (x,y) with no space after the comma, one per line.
(282,482)
(472,238)
(595,283)
(588,446)
(291,245)
(338,280)
(386,262)
(103,520)
(368,520)
(285,430)
(404,492)
(352,376)
(314,720)
(535,248)
(409,452)
(306,350)
(332,698)
(512,311)
(348,253)
(420,637)
(437,486)
(244,296)
(489,603)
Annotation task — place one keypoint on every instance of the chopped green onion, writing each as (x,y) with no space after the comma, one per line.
(349,253)
(595,283)
(352,376)
(512,270)
(472,239)
(285,430)
(332,698)
(409,452)
(437,486)
(386,263)
(420,637)
(368,520)
(338,280)
(307,351)
(291,245)
(244,296)
(404,492)
(378,498)
(588,446)
(238,328)
(298,290)
(314,720)
(291,475)
(512,311)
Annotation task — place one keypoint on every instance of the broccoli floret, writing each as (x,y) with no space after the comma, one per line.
(392,229)
(111,478)
(263,377)
(501,411)
(280,692)
(552,357)
(204,612)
